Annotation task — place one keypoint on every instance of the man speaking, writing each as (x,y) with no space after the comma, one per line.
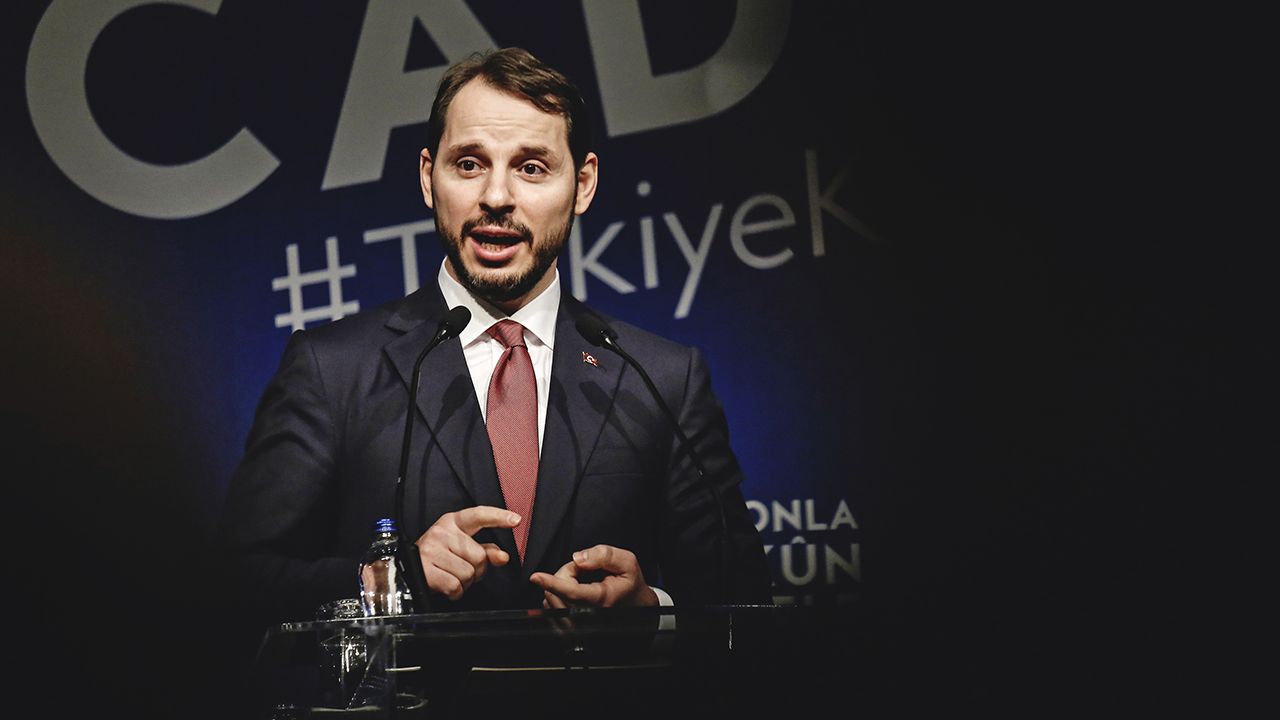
(546,471)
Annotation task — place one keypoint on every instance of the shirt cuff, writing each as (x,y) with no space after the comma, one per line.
(666,621)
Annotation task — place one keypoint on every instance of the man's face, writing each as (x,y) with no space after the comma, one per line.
(504,190)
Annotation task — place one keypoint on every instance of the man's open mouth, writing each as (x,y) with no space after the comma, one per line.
(494,244)
(495,238)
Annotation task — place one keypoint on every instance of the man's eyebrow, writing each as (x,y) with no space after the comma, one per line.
(465,148)
(537,151)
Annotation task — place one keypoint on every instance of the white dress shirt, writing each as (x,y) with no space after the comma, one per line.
(482,350)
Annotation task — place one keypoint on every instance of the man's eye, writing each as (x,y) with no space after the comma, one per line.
(468,166)
(532,169)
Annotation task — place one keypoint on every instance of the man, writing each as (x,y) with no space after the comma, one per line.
(542,474)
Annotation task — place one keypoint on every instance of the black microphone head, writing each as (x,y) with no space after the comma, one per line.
(594,330)
(454,321)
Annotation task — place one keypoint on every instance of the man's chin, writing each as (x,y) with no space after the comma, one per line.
(498,284)
(495,276)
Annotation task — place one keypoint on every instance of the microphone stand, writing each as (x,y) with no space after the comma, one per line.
(725,568)
(411,563)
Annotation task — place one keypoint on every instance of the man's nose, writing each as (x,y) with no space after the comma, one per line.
(497,198)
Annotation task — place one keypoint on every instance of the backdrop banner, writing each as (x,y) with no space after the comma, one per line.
(253,166)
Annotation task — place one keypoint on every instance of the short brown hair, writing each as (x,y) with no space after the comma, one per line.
(516,71)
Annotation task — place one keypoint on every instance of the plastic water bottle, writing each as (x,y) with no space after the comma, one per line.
(383,590)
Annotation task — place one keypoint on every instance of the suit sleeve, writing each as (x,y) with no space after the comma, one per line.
(691,538)
(275,537)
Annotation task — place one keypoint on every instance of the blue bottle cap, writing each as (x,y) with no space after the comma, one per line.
(385,525)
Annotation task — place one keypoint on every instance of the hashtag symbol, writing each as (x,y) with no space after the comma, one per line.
(298,316)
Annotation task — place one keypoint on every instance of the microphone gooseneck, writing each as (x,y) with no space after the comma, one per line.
(598,333)
(452,324)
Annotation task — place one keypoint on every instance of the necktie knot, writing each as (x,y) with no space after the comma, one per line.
(508,332)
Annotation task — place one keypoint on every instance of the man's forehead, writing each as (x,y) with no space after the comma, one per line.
(481,112)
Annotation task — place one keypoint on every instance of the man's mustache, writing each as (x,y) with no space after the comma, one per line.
(504,222)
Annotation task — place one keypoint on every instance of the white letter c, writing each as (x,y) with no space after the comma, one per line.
(59,107)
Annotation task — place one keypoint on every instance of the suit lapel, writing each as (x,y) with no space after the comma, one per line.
(447,401)
(581,394)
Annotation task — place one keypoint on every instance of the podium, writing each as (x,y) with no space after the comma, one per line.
(667,662)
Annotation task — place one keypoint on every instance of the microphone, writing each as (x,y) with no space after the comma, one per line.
(452,324)
(598,333)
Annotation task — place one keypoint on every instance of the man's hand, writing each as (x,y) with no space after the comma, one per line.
(451,559)
(623,583)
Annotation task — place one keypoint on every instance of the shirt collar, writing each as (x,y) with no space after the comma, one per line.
(538,316)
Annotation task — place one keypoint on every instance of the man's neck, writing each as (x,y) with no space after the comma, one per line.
(538,315)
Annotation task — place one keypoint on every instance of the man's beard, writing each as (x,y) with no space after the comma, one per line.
(508,287)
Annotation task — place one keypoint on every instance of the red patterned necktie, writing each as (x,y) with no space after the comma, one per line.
(512,421)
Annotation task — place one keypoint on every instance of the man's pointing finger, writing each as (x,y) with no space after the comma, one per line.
(471,520)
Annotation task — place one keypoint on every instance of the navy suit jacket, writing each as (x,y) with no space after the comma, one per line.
(322,458)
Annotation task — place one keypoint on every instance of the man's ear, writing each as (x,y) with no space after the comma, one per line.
(588,175)
(424,177)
